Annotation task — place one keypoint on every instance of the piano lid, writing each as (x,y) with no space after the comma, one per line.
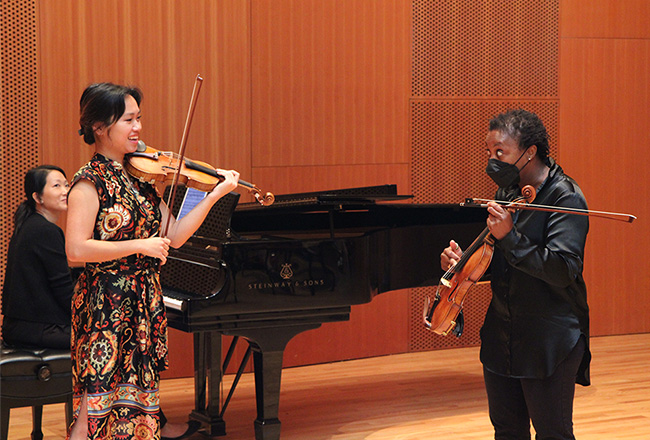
(322,200)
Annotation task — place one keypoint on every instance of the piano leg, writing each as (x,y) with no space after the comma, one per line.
(267,392)
(207,381)
(268,346)
(268,349)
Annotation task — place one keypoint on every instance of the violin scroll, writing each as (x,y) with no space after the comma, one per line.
(528,194)
(264,200)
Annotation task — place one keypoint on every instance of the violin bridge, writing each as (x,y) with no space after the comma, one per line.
(445,282)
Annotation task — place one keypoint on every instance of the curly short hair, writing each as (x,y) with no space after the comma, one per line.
(524,127)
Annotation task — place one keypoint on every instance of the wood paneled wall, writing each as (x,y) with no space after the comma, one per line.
(330,82)
(605,145)
(160,47)
(471,61)
(298,96)
(320,94)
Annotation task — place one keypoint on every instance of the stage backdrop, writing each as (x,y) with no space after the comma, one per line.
(312,95)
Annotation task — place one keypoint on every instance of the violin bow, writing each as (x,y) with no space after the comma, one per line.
(181,153)
(629,218)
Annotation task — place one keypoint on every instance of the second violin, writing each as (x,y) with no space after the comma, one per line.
(442,315)
(151,165)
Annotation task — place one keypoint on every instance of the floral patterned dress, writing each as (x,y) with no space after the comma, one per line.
(119,327)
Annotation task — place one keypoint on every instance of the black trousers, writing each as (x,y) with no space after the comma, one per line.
(548,403)
(19,333)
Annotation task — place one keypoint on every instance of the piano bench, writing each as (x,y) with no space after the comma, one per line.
(34,377)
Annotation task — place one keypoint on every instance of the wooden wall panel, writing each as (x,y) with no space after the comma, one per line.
(330,82)
(377,328)
(448,140)
(471,61)
(605,19)
(468,50)
(19,130)
(159,46)
(605,143)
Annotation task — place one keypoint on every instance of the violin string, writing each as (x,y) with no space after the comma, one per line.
(471,250)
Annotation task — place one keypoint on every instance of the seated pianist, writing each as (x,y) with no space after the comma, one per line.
(38,284)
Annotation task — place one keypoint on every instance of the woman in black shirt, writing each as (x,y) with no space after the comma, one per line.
(535,337)
(38,286)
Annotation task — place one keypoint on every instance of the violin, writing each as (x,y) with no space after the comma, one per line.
(148,164)
(442,314)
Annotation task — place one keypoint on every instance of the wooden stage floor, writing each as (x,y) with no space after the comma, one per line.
(431,395)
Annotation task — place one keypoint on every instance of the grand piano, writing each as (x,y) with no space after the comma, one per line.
(267,273)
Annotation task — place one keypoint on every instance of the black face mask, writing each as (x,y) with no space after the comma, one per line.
(503,173)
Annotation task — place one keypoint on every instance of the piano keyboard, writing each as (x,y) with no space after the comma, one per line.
(172,303)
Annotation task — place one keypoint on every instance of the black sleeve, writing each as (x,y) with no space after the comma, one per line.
(560,259)
(49,249)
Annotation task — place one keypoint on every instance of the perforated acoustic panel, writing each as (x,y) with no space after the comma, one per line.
(448,156)
(470,61)
(19,120)
(468,48)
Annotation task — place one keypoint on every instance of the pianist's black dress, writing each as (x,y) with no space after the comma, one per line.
(37,288)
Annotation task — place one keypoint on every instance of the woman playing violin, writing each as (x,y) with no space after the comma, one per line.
(119,327)
(534,341)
